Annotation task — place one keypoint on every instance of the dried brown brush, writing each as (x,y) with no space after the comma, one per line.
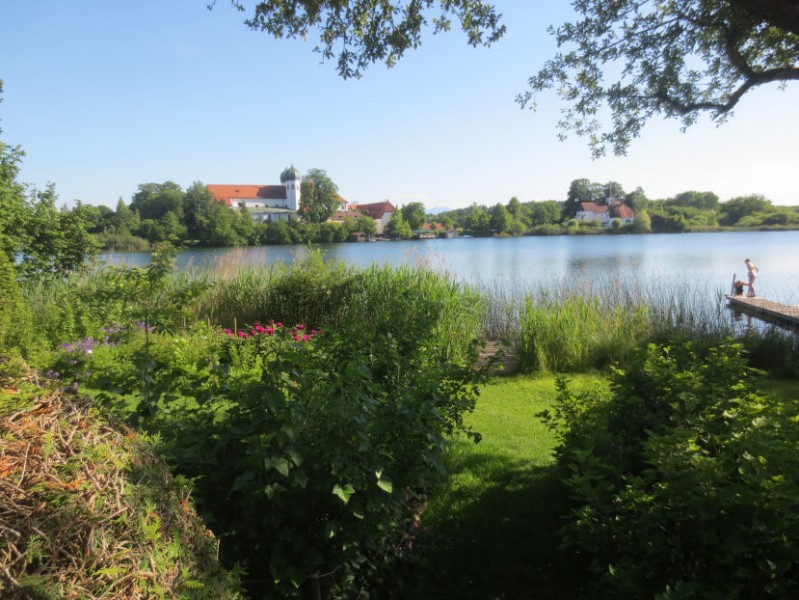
(87,511)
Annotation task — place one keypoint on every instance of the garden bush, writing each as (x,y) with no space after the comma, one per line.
(310,449)
(685,479)
(13,314)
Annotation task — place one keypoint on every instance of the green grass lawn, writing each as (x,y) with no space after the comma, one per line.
(491,530)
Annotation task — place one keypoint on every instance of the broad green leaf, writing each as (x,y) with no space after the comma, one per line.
(385,485)
(281,465)
(295,457)
(241,481)
(343,493)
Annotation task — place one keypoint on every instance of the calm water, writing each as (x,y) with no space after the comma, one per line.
(703,262)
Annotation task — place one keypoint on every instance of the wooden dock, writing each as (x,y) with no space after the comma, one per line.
(784,314)
(502,357)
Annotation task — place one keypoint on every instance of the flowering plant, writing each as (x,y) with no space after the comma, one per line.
(298,332)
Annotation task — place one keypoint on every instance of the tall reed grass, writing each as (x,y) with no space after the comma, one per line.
(561,326)
(568,326)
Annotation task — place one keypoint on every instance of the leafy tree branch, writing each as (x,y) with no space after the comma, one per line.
(632,60)
(362,32)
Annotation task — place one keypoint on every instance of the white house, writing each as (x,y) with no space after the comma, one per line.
(605,213)
(381,212)
(264,202)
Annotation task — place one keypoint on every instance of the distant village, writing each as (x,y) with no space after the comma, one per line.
(283,202)
(308,208)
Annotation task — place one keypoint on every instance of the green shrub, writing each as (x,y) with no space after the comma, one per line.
(310,455)
(14,316)
(686,479)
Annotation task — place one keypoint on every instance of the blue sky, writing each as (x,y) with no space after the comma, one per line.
(103,96)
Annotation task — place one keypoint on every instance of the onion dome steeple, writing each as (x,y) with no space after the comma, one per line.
(290,174)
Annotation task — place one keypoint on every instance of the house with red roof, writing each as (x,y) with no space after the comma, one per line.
(264,202)
(381,212)
(605,213)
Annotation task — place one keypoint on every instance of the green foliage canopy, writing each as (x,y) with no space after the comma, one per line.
(677,59)
(155,200)
(546,212)
(501,219)
(399,227)
(634,60)
(685,478)
(700,200)
(319,196)
(735,209)
(360,33)
(414,215)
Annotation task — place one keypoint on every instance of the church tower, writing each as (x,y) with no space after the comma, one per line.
(290,179)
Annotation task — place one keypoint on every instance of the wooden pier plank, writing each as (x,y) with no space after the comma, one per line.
(766,308)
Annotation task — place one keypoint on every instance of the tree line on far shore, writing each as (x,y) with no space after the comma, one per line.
(45,238)
(687,211)
(165,212)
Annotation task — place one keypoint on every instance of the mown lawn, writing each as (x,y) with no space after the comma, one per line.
(491,531)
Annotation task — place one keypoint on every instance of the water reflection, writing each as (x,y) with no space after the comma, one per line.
(738,318)
(702,263)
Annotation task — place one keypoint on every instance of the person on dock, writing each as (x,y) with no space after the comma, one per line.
(738,288)
(752,271)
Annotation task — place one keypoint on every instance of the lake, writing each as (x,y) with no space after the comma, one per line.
(703,262)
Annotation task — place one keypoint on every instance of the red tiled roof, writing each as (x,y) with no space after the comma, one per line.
(376,210)
(621,211)
(227,193)
(341,215)
(593,207)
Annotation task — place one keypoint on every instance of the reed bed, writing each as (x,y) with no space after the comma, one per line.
(573,325)
(570,324)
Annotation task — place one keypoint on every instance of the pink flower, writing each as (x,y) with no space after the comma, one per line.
(301,326)
(306,337)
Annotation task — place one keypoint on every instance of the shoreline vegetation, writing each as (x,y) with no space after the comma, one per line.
(341,407)
(193,217)
(300,235)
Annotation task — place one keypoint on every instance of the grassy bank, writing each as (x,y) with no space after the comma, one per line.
(491,530)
